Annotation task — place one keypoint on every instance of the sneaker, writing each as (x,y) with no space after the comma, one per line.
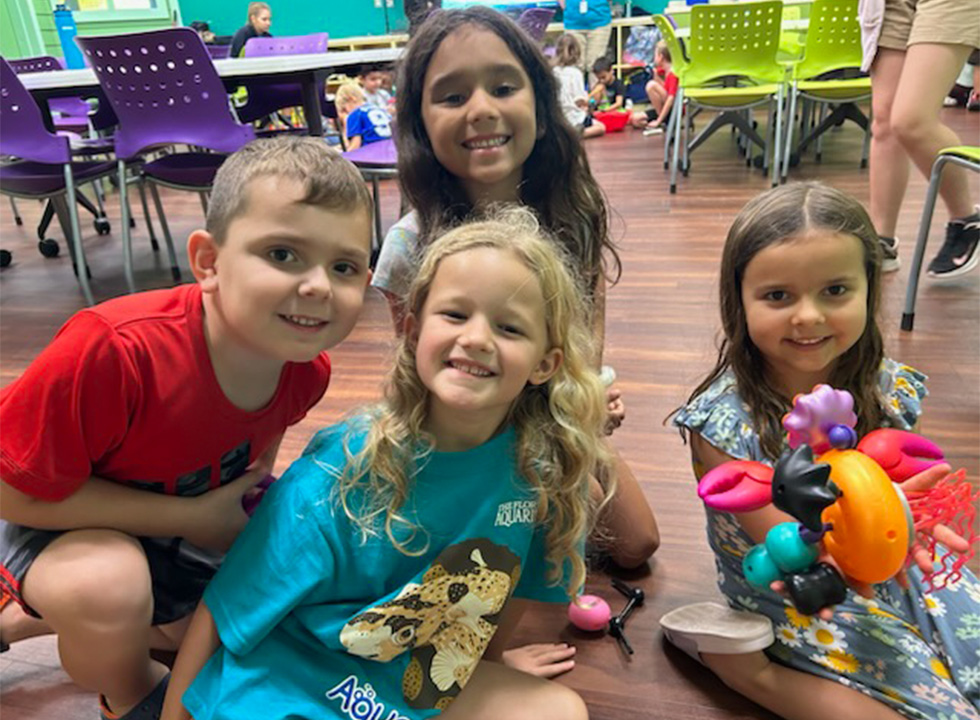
(890,261)
(973,104)
(652,131)
(949,101)
(958,255)
(149,708)
(712,628)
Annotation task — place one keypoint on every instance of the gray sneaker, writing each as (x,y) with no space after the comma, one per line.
(890,261)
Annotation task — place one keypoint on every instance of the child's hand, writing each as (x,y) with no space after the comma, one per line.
(544,660)
(923,482)
(219,516)
(615,409)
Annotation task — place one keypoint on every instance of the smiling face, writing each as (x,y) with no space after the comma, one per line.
(478,112)
(805,305)
(288,281)
(478,344)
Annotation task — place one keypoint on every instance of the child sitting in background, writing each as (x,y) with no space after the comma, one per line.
(385,570)
(372,79)
(661,90)
(130,442)
(609,91)
(361,123)
(571,88)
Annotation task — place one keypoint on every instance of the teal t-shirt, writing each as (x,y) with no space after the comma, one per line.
(317,623)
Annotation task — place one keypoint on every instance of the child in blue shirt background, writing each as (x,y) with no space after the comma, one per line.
(363,123)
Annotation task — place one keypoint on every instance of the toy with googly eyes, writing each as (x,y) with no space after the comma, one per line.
(846,494)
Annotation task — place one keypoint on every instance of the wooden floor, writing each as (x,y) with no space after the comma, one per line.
(661,326)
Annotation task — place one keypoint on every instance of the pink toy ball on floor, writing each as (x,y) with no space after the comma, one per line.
(589,612)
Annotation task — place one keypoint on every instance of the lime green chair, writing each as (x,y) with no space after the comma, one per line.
(678,66)
(833,42)
(732,41)
(967,156)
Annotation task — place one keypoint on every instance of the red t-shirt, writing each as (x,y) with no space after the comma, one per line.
(670,81)
(126,392)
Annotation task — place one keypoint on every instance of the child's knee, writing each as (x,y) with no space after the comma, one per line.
(93,576)
(562,703)
(742,673)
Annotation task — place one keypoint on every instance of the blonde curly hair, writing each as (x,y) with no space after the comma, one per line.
(558,425)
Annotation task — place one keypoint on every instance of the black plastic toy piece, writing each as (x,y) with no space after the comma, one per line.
(819,587)
(803,488)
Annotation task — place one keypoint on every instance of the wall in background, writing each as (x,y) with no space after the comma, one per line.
(299,17)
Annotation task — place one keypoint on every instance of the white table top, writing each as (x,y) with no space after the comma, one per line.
(230,67)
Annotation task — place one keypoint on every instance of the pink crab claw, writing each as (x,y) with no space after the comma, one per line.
(737,486)
(901,454)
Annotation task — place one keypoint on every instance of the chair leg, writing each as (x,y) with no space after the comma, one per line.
(76,236)
(680,109)
(777,138)
(375,193)
(126,230)
(790,121)
(174,269)
(908,315)
(17,218)
(146,214)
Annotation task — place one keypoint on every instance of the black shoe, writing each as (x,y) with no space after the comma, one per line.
(890,261)
(958,255)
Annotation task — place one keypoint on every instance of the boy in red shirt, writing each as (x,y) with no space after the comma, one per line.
(129,443)
(661,90)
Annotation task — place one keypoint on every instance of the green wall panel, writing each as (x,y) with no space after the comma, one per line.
(299,17)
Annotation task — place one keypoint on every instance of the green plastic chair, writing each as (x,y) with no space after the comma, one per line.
(678,64)
(740,41)
(967,156)
(833,42)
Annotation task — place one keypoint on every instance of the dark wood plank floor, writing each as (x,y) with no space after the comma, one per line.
(661,325)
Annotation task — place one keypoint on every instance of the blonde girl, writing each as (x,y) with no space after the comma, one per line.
(800,292)
(571,88)
(384,571)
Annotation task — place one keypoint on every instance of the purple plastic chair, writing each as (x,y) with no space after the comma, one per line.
(265,99)
(73,118)
(535,22)
(219,52)
(376,161)
(164,89)
(46,170)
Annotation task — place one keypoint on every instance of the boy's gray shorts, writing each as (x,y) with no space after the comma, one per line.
(179,571)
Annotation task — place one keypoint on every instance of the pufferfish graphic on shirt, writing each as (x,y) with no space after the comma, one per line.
(446,621)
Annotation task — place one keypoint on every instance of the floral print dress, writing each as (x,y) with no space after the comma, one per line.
(918,653)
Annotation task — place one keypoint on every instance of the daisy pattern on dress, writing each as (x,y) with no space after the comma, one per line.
(825,635)
(933,605)
(930,693)
(789,635)
(838,661)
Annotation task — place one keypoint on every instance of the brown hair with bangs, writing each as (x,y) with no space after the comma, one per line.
(774,217)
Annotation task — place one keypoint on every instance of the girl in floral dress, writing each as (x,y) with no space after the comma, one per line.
(800,286)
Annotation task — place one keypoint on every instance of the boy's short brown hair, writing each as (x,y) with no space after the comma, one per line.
(328,179)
